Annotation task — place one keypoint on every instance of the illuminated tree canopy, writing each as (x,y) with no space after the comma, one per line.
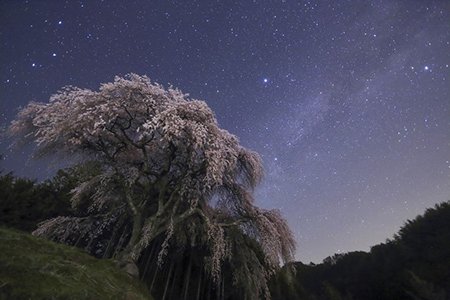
(164,167)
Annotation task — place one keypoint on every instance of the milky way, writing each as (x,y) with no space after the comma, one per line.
(347,101)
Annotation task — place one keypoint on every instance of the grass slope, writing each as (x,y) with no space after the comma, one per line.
(34,268)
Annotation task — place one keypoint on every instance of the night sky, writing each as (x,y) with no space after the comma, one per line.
(348,102)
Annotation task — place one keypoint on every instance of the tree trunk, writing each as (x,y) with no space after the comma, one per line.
(223,287)
(149,259)
(168,279)
(135,233)
(218,285)
(208,291)
(188,276)
(199,285)
(126,261)
(154,278)
(174,278)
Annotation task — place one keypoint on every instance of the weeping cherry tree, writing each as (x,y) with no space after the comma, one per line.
(164,166)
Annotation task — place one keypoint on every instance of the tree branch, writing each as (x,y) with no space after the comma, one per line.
(235,223)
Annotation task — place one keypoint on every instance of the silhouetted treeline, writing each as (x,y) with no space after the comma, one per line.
(25,202)
(414,265)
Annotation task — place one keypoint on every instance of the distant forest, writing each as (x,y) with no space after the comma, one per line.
(415,264)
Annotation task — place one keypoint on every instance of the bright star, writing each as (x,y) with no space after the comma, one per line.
(33,65)
(54,54)
(426,68)
(60,22)
(266,80)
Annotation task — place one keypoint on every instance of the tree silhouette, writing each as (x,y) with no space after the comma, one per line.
(414,265)
(24,203)
(165,169)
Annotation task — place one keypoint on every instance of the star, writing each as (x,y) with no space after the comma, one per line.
(265,80)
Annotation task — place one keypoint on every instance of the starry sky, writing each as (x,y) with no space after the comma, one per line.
(347,101)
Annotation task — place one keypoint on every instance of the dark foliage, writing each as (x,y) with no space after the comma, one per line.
(414,265)
(24,202)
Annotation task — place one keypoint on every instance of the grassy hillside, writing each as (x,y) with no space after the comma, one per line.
(33,268)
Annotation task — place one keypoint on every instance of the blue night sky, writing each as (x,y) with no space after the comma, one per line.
(348,102)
